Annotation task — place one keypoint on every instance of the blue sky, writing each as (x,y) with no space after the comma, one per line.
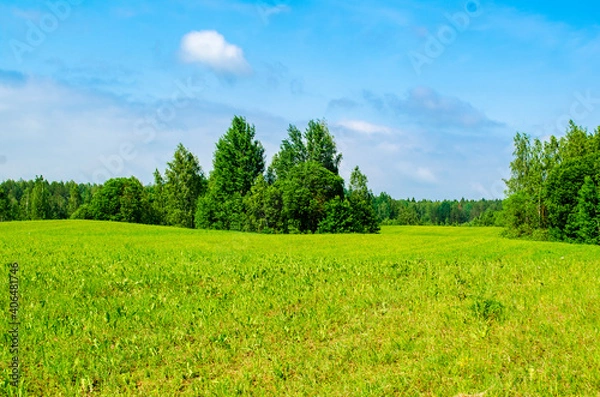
(425,96)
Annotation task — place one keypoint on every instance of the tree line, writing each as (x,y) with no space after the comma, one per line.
(553,190)
(438,213)
(301,191)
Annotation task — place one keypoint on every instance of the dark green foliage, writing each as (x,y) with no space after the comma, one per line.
(587,219)
(185,182)
(220,212)
(238,160)
(4,206)
(74,200)
(562,192)
(83,212)
(292,152)
(40,200)
(307,189)
(158,200)
(119,199)
(518,212)
(316,144)
(547,195)
(264,207)
(338,217)
(426,212)
(320,146)
(361,204)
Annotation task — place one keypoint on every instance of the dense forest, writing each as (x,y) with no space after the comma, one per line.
(553,189)
(447,212)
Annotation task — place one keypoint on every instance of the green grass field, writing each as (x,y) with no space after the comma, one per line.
(113,309)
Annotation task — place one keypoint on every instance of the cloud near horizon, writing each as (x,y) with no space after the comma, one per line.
(428,107)
(209,48)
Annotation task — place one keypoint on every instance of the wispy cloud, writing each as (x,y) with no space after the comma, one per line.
(416,173)
(425,175)
(209,48)
(426,106)
(364,127)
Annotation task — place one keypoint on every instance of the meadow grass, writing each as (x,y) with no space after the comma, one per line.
(113,309)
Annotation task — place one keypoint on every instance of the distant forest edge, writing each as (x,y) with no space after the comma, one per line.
(554,188)
(553,192)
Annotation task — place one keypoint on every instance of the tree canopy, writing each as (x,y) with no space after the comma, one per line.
(553,188)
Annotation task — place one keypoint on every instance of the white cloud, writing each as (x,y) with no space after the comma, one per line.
(425,175)
(209,47)
(364,127)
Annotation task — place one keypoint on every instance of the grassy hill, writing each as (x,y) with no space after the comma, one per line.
(118,309)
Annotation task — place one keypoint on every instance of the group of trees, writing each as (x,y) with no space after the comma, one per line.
(553,191)
(40,199)
(447,212)
(301,191)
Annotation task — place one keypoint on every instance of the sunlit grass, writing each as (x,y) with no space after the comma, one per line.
(116,309)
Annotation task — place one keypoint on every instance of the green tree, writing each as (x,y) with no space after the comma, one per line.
(74,199)
(594,141)
(305,192)
(292,152)
(185,182)
(134,206)
(238,161)
(40,199)
(562,192)
(316,144)
(321,147)
(586,217)
(361,204)
(4,206)
(575,144)
(339,217)
(263,207)
(119,199)
(384,207)
(158,199)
